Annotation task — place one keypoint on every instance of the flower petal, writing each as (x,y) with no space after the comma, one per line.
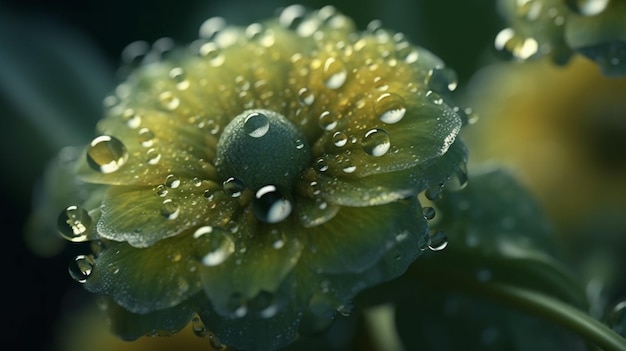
(147,280)
(357,238)
(144,215)
(130,326)
(384,188)
(263,256)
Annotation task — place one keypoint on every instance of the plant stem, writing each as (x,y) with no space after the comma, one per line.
(555,310)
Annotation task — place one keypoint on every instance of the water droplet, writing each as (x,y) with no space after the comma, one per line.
(169,101)
(428,213)
(346,309)
(256,125)
(81,267)
(211,27)
(376,142)
(270,206)
(161,190)
(390,108)
(215,245)
(335,73)
(587,7)
(299,144)
(292,16)
(74,224)
(146,137)
(133,120)
(340,139)
(519,47)
(212,52)
(233,187)
(153,156)
(321,165)
(106,154)
(442,79)
(434,97)
(171,181)
(434,193)
(177,74)
(327,120)
(438,241)
(349,167)
(237,305)
(423,241)
(305,97)
(264,304)
(170,209)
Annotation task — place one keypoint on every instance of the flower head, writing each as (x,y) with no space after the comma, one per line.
(261,176)
(560,28)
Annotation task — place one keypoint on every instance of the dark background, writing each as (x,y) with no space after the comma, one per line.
(38,290)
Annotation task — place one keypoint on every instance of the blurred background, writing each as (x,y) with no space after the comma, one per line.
(59,59)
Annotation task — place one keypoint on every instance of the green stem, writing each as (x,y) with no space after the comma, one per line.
(555,310)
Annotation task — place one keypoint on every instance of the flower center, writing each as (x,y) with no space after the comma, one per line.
(261,148)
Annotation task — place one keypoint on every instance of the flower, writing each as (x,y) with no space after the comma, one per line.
(560,28)
(262,177)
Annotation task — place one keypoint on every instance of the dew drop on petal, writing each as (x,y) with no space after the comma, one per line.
(233,187)
(172,181)
(153,156)
(237,305)
(106,154)
(75,224)
(170,209)
(132,120)
(327,120)
(305,97)
(256,125)
(270,206)
(390,108)
(335,73)
(438,241)
(212,53)
(587,7)
(146,137)
(340,139)
(169,101)
(321,165)
(211,27)
(214,245)
(376,142)
(177,74)
(81,267)
(264,304)
(428,213)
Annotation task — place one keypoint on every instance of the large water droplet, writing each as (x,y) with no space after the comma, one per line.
(270,206)
(81,267)
(335,73)
(428,213)
(256,125)
(390,108)
(75,224)
(376,142)
(146,137)
(215,245)
(106,154)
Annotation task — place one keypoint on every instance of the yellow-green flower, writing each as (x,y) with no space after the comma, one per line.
(262,176)
(558,29)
